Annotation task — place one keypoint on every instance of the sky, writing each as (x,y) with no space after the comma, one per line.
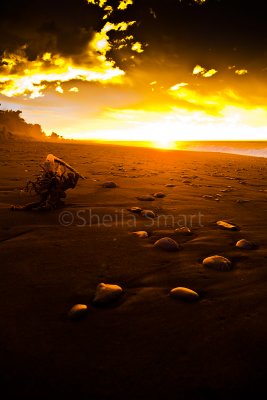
(143,70)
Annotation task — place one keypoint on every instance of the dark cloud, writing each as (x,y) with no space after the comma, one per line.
(60,26)
(218,31)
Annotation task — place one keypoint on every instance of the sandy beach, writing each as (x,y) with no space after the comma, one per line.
(147,344)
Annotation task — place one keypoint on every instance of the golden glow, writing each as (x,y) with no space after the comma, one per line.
(100,3)
(210,73)
(109,11)
(59,89)
(178,86)
(200,1)
(164,144)
(154,104)
(20,76)
(241,71)
(32,77)
(137,46)
(198,70)
(163,129)
(124,4)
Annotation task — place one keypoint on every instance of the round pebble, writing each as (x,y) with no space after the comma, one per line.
(148,214)
(167,244)
(146,197)
(217,262)
(78,311)
(106,293)
(242,201)
(136,210)
(227,225)
(184,230)
(109,185)
(184,294)
(245,244)
(159,195)
(140,234)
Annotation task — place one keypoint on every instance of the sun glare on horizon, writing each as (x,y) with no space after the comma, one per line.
(164,129)
(164,144)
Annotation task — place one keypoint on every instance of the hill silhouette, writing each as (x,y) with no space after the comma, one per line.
(14,128)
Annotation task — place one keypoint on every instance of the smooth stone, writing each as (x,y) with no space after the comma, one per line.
(148,214)
(226,190)
(107,293)
(159,195)
(227,225)
(78,311)
(140,234)
(109,185)
(245,244)
(146,197)
(242,201)
(167,244)
(184,230)
(136,210)
(184,294)
(217,262)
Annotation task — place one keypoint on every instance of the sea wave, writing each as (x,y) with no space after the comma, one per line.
(260,150)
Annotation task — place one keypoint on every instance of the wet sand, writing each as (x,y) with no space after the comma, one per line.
(147,345)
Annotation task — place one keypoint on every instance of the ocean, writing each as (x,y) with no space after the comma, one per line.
(246,148)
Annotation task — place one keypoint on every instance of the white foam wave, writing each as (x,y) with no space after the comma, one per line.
(245,151)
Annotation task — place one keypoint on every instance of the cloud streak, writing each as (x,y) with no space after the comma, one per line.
(198,70)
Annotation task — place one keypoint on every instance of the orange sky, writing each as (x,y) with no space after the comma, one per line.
(125,83)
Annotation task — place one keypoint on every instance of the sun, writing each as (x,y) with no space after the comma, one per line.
(165,143)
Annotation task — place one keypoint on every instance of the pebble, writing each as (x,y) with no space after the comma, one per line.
(217,262)
(136,210)
(106,293)
(245,244)
(146,197)
(148,214)
(208,196)
(167,244)
(78,311)
(184,294)
(109,184)
(159,195)
(184,230)
(170,185)
(242,201)
(140,234)
(227,225)
(225,190)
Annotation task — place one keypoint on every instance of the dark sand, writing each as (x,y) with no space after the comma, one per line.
(148,345)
